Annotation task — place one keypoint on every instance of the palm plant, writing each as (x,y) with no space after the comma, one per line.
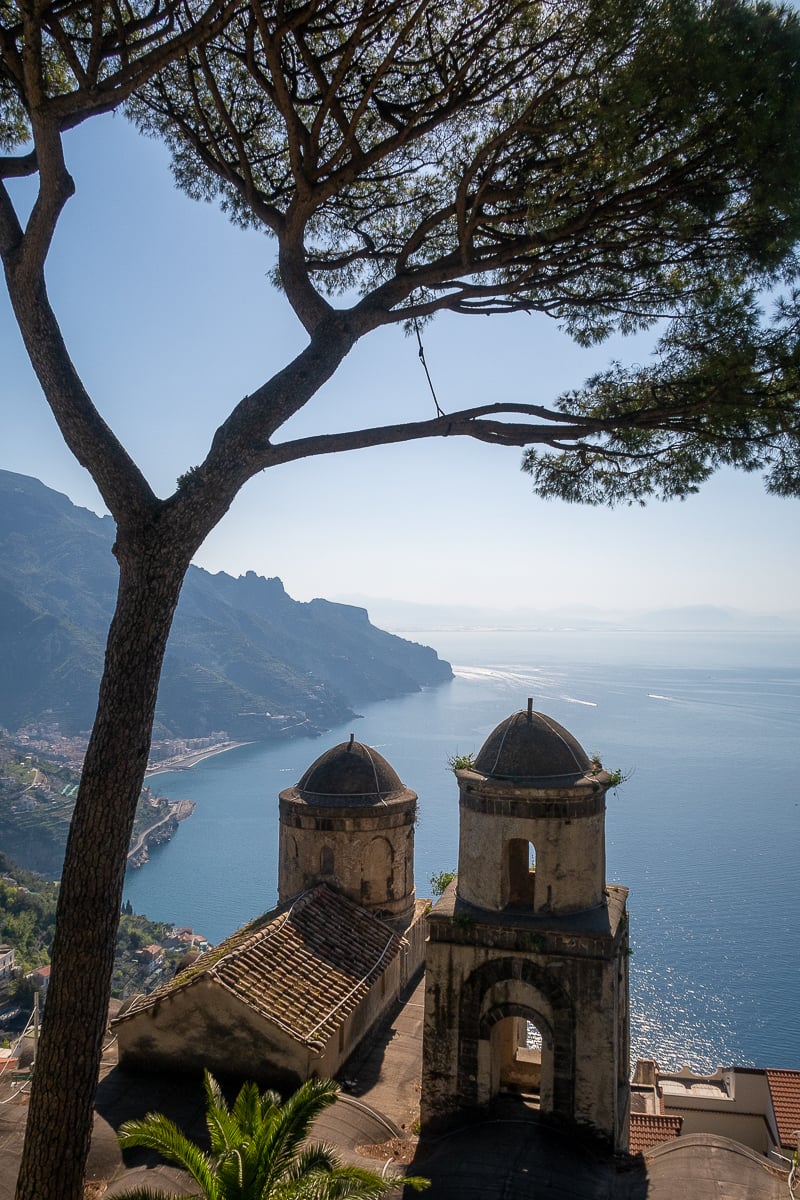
(259,1150)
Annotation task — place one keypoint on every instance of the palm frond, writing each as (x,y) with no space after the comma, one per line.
(248,1110)
(215,1097)
(260,1149)
(146,1193)
(223,1127)
(289,1124)
(356,1183)
(343,1183)
(287,1129)
(157,1132)
(319,1156)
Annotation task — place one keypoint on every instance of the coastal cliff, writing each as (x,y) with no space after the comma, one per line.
(159,832)
(244,661)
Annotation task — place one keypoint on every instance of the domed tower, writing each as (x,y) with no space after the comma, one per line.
(526,967)
(532,829)
(349,822)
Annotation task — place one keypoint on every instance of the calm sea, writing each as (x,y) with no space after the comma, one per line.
(705,832)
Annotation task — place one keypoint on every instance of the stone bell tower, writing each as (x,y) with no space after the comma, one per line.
(349,823)
(530,939)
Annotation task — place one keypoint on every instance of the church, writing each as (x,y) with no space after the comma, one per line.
(294,993)
(525,954)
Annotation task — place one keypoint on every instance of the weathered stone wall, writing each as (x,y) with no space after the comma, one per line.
(381,997)
(412,953)
(567,980)
(565,827)
(204,1025)
(365,852)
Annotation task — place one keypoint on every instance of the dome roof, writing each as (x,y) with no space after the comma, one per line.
(350,773)
(530,745)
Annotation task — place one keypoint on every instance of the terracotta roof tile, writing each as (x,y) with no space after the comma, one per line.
(648,1130)
(784,1088)
(304,966)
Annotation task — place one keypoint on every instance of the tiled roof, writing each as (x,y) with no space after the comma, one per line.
(784,1088)
(648,1130)
(305,966)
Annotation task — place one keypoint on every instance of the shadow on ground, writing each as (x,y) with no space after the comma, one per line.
(513,1155)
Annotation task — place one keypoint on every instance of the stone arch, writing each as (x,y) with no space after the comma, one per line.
(499,1012)
(519,873)
(326,860)
(377,871)
(506,1063)
(516,987)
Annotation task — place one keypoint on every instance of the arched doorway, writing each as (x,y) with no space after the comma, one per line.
(513,1061)
(500,1001)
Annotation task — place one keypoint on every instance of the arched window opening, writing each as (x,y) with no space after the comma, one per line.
(520,1061)
(521,873)
(326,861)
(533,1038)
(377,872)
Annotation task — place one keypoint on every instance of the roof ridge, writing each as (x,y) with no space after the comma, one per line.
(304,974)
(206,963)
(265,931)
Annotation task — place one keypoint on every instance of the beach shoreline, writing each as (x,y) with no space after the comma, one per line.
(184,762)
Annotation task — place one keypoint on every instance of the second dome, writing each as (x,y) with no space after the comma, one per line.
(529,745)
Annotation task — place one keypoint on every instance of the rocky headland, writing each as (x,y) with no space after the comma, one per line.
(245,662)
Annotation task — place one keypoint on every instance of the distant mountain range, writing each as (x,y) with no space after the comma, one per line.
(242,657)
(406,617)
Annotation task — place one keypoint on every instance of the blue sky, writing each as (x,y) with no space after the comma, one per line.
(170,318)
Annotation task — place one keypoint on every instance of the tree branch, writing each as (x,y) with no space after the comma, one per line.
(120,482)
(21,167)
(10,229)
(458,424)
(55,188)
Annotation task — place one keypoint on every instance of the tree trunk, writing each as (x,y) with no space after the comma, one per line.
(65,1076)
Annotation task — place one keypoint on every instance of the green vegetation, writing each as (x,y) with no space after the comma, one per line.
(258,1149)
(28,920)
(441,880)
(133,971)
(35,806)
(27,914)
(615,778)
(461,762)
(37,800)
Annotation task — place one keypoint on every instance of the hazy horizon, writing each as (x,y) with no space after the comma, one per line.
(666,618)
